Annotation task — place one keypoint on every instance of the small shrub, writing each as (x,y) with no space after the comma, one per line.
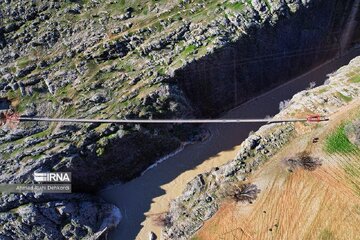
(162,220)
(244,193)
(305,161)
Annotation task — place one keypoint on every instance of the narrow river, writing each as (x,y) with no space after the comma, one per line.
(151,193)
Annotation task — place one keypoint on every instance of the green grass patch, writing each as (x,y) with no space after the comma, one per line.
(162,71)
(236,6)
(323,90)
(188,50)
(42,134)
(23,62)
(344,97)
(337,142)
(5,156)
(355,79)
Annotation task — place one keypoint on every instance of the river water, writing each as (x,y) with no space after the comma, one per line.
(151,193)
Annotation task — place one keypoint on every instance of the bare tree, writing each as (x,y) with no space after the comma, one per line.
(244,193)
(304,161)
(162,220)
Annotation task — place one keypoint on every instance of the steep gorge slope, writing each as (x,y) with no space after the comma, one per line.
(137,59)
(260,161)
(250,65)
(82,59)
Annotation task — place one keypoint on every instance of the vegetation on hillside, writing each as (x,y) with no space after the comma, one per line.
(338,142)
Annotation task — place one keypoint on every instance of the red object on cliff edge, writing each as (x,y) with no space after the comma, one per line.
(314,118)
(9,117)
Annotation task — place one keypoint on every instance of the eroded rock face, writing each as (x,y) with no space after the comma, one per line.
(250,65)
(200,199)
(55,216)
(96,59)
(76,68)
(202,195)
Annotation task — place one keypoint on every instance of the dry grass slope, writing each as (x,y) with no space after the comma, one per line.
(300,204)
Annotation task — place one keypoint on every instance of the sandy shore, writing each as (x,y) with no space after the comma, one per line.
(175,188)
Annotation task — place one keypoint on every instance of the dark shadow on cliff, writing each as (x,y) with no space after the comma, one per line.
(264,58)
(229,77)
(135,197)
(257,62)
(260,61)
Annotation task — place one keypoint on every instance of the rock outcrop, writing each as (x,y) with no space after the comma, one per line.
(69,60)
(82,216)
(352,131)
(128,59)
(202,196)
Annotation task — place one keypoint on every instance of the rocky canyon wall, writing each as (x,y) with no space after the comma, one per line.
(265,56)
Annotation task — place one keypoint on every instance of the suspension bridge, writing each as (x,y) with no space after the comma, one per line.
(13,119)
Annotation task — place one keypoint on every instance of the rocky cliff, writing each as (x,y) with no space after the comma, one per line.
(80,216)
(202,196)
(141,59)
(80,59)
(295,35)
